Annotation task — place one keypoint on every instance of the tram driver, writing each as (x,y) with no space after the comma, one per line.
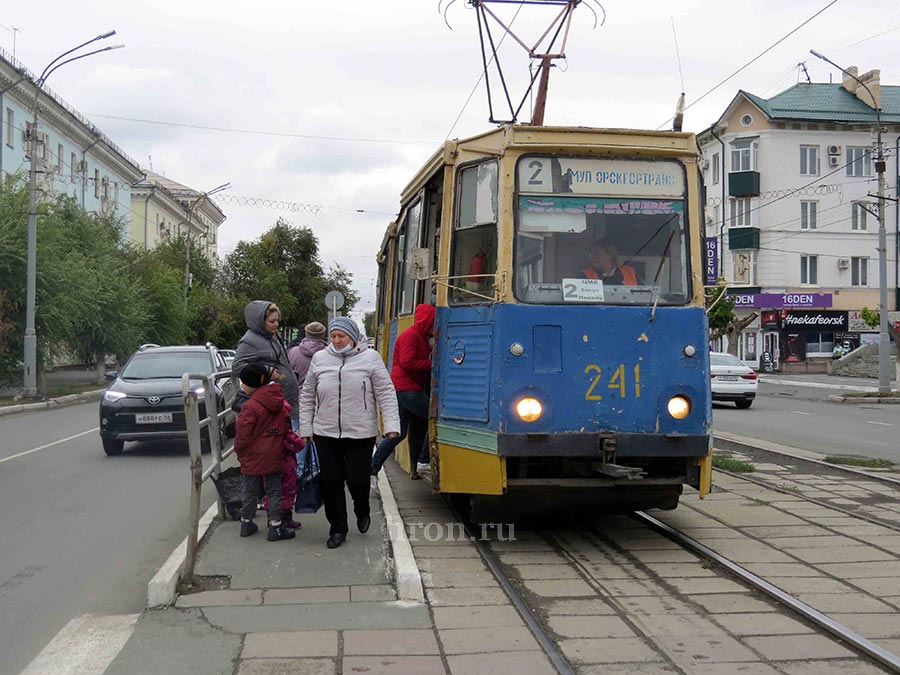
(605,266)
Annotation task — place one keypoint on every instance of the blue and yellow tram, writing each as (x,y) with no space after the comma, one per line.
(570,349)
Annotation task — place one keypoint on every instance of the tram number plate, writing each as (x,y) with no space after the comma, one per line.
(153,418)
(727,378)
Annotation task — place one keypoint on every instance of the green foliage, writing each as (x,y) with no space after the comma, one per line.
(732,464)
(369,323)
(867,462)
(722,313)
(870,317)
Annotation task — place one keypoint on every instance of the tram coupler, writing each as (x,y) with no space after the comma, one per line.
(607,464)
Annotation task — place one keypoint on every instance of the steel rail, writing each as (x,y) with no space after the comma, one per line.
(818,502)
(819,462)
(821,620)
(550,649)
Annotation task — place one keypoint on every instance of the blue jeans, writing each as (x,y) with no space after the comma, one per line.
(413,420)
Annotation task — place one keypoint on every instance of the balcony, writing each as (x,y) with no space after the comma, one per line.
(743,184)
(743,238)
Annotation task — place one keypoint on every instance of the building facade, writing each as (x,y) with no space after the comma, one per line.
(162,209)
(791,215)
(72,155)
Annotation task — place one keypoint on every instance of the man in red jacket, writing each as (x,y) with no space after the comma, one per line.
(410,372)
(259,445)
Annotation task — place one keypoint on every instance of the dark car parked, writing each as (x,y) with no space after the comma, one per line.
(144,402)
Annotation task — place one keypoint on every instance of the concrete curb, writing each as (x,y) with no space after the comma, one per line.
(406,571)
(163,587)
(815,385)
(865,399)
(59,402)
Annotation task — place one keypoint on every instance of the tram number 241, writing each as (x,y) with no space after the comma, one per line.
(618,381)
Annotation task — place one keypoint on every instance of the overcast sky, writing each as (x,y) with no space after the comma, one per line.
(347,99)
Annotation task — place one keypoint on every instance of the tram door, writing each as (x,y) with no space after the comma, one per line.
(771,345)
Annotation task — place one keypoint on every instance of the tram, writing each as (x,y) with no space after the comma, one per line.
(570,359)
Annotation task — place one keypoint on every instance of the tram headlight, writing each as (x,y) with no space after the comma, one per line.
(529,409)
(679,407)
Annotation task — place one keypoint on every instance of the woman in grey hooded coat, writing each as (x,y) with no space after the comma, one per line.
(260,344)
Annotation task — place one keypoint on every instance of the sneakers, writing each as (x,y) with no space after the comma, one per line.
(423,467)
(335,540)
(415,475)
(288,522)
(373,486)
(362,524)
(280,532)
(248,527)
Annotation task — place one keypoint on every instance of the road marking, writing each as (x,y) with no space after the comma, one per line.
(884,424)
(800,412)
(85,646)
(50,445)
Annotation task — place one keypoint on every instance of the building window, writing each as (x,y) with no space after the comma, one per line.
(858,216)
(715,169)
(808,211)
(809,274)
(743,154)
(73,165)
(740,213)
(859,161)
(809,160)
(10,126)
(859,271)
(60,158)
(744,268)
(97,183)
(819,344)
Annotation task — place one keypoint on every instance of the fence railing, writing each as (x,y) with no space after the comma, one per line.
(192,395)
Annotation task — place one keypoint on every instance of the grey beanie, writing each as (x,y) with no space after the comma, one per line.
(345,325)
(315,330)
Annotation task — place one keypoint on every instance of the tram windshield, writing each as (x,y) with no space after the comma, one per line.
(600,231)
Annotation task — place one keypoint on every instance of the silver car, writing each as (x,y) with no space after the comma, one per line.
(731,380)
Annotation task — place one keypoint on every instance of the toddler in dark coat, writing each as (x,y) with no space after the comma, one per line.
(259,444)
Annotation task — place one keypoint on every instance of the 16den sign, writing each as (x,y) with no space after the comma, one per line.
(820,321)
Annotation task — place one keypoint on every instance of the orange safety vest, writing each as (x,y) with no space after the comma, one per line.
(629,277)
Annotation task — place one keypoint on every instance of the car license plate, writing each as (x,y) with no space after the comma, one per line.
(728,378)
(153,418)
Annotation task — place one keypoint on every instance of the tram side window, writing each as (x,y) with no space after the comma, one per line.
(404,300)
(475,235)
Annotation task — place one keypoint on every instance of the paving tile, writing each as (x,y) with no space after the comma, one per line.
(506,663)
(797,647)
(762,624)
(459,580)
(298,596)
(318,616)
(604,626)
(617,587)
(445,552)
(835,667)
(795,585)
(749,551)
(658,605)
(290,644)
(476,617)
(393,665)
(287,667)
(546,572)
(690,651)
(701,585)
(390,642)
(579,607)
(250,596)
(665,556)
(375,593)
(645,668)
(871,625)
(626,570)
(444,597)
(793,532)
(608,650)
(486,640)
(675,625)
(452,565)
(566,588)
(847,603)
(731,603)
(531,558)
(767,570)
(841,554)
(862,569)
(880,586)
(666,570)
(733,669)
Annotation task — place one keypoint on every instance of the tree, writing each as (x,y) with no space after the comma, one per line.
(721,317)
(369,323)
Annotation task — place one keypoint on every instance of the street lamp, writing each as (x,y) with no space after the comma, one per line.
(30,356)
(884,344)
(187,244)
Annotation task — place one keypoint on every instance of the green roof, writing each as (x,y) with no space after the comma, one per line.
(821,102)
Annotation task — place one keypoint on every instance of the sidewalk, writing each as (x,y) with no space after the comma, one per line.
(822,381)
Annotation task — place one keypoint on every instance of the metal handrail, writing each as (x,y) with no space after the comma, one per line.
(216,442)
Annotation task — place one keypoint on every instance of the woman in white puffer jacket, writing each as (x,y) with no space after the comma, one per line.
(337,410)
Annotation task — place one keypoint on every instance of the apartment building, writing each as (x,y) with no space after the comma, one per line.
(791,224)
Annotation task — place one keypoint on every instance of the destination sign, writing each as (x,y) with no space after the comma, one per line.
(596,176)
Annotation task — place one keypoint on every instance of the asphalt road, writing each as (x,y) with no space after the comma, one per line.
(80,532)
(803,417)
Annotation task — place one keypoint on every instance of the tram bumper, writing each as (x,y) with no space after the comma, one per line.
(601,444)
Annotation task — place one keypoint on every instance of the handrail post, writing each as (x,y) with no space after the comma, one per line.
(192,419)
(214,428)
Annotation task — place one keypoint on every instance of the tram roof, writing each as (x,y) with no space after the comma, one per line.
(525,136)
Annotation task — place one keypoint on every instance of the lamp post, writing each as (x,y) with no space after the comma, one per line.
(884,344)
(30,355)
(186,280)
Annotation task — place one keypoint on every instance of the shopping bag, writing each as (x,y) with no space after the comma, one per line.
(229,485)
(309,497)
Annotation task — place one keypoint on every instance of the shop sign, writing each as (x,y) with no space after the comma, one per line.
(712,261)
(780,300)
(822,321)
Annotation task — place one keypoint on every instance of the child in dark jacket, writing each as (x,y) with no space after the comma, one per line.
(259,444)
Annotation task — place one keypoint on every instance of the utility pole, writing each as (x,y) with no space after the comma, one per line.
(884,341)
(186,278)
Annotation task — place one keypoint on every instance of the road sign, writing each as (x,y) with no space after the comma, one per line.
(334,300)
